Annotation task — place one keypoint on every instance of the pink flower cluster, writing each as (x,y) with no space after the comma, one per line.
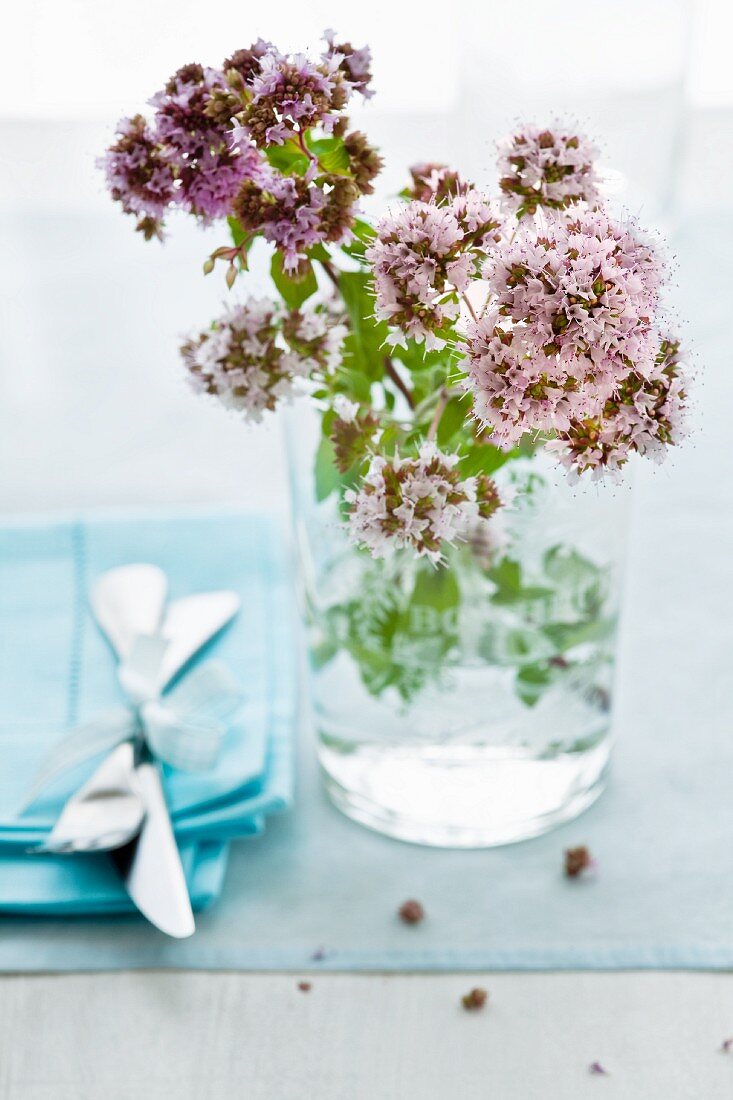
(435,183)
(573,311)
(546,168)
(205,149)
(421,503)
(516,387)
(424,255)
(645,415)
(252,355)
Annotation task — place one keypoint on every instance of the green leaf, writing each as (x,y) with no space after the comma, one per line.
(567,636)
(363,231)
(569,567)
(318,252)
(363,237)
(507,576)
(352,379)
(437,587)
(320,655)
(483,458)
(327,477)
(332,155)
(532,681)
(294,291)
(452,420)
(239,235)
(365,349)
(288,158)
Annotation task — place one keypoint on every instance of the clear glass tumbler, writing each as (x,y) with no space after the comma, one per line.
(469,704)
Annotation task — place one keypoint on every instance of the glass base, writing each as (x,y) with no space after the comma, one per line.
(462,796)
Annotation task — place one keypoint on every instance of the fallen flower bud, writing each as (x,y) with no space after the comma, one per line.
(411,912)
(577,860)
(304,987)
(474,999)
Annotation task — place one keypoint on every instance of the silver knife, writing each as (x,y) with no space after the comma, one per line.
(150,865)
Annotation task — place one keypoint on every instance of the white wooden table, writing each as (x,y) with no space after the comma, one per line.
(184,1036)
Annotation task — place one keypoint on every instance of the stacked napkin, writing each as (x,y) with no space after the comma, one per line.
(58,671)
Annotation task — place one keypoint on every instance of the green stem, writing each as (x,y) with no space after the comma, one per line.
(332,274)
(389,370)
(391,373)
(469,307)
(439,410)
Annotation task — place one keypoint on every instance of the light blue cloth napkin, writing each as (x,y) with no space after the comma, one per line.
(47,885)
(56,670)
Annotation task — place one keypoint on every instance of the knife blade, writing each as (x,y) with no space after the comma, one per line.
(150,865)
(188,624)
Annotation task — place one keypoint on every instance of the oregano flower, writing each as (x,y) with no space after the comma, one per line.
(547,169)
(422,503)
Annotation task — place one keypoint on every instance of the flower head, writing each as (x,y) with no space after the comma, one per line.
(181,120)
(435,183)
(139,174)
(365,163)
(316,336)
(355,65)
(584,290)
(252,355)
(287,210)
(516,388)
(353,431)
(246,62)
(289,95)
(208,169)
(206,148)
(423,254)
(546,168)
(645,415)
(296,213)
(421,503)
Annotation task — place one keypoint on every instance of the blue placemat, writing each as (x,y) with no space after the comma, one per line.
(318,891)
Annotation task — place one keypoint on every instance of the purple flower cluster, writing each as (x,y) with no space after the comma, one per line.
(252,355)
(140,174)
(355,65)
(206,148)
(181,158)
(295,213)
(424,255)
(586,287)
(288,96)
(422,503)
(209,171)
(546,168)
